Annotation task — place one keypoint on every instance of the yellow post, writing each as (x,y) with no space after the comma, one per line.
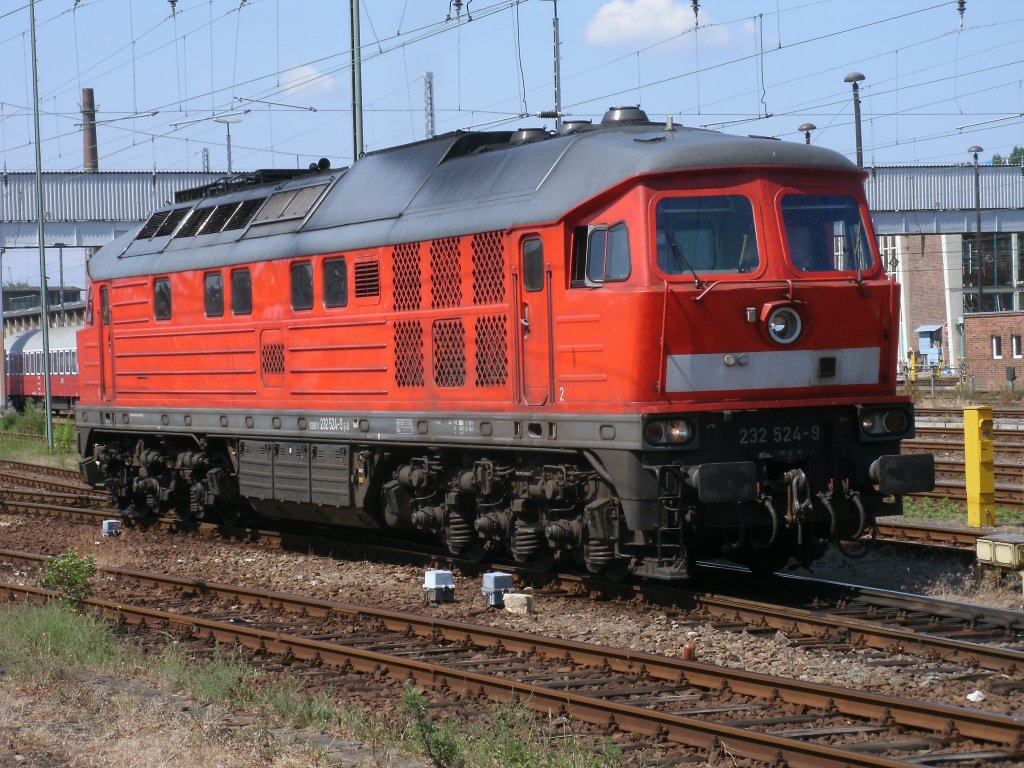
(979,457)
(913,366)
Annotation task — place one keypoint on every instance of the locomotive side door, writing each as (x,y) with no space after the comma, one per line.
(106,347)
(533,309)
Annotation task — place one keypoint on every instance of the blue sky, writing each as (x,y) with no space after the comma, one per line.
(933,87)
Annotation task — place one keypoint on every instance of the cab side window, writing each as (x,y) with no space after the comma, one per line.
(162,298)
(600,255)
(335,283)
(213,294)
(302,285)
(241,292)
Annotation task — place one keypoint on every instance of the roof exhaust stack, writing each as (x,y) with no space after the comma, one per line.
(90,154)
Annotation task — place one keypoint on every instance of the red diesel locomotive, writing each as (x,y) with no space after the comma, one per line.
(626,346)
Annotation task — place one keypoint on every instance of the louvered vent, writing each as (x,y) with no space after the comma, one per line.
(445,276)
(491,351)
(290,203)
(409,353)
(195,222)
(488,269)
(244,213)
(172,221)
(220,216)
(367,279)
(150,227)
(449,342)
(405,266)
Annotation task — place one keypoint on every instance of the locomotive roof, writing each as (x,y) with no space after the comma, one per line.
(457,184)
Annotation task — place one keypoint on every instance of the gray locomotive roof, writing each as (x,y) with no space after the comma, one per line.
(454,185)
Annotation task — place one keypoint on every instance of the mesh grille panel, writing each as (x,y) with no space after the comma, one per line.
(272,358)
(409,353)
(449,353)
(491,351)
(405,265)
(488,269)
(445,276)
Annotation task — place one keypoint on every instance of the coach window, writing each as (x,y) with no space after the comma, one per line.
(104,306)
(213,292)
(335,283)
(162,298)
(241,292)
(302,285)
(533,265)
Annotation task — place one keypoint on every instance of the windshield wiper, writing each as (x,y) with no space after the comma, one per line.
(680,258)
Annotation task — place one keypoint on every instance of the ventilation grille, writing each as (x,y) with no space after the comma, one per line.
(272,358)
(488,269)
(409,353)
(195,222)
(290,204)
(203,221)
(244,213)
(445,277)
(491,351)
(367,279)
(449,339)
(405,265)
(162,223)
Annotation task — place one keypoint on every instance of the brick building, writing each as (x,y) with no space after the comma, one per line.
(993,344)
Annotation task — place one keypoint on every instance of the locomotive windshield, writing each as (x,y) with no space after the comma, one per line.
(706,235)
(826,233)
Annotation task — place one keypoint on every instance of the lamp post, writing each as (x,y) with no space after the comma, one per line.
(977,222)
(853,78)
(806,129)
(228,124)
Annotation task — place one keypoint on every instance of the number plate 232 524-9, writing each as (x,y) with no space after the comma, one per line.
(778,435)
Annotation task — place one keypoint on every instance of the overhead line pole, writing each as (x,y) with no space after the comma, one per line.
(44,309)
(357,84)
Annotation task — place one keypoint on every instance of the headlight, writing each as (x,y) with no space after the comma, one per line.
(669,432)
(884,423)
(784,325)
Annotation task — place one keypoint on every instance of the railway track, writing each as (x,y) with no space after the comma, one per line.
(671,706)
(810,612)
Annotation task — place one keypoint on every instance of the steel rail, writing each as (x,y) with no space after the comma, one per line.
(663,725)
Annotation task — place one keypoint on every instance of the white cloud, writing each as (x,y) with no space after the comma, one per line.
(637,21)
(641,22)
(305,80)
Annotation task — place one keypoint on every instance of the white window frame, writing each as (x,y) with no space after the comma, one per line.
(997,347)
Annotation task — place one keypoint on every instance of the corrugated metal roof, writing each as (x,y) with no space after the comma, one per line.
(944,188)
(102,196)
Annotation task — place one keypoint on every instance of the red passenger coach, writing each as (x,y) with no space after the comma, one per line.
(24,369)
(625,346)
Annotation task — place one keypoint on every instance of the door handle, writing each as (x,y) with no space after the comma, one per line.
(525,319)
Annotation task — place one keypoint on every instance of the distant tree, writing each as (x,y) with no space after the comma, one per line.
(1016,157)
(18,284)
